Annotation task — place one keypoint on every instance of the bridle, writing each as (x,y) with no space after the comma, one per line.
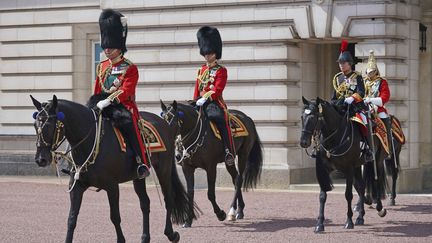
(68,154)
(316,133)
(198,141)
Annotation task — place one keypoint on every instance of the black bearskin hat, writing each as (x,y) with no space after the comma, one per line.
(209,41)
(113,28)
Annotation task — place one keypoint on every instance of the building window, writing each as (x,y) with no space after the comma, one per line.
(97,55)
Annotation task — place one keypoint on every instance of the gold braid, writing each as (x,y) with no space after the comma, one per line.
(103,75)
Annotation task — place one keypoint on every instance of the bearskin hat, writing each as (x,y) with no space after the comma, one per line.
(209,41)
(113,28)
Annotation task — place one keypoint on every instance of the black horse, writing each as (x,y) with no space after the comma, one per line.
(197,147)
(393,165)
(393,169)
(337,144)
(111,166)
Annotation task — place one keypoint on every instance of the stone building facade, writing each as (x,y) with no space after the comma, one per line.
(275,51)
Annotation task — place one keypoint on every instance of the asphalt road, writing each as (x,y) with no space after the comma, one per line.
(36,211)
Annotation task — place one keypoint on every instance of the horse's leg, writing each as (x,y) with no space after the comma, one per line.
(360,186)
(242,160)
(188,172)
(320,224)
(113,198)
(236,180)
(349,196)
(211,195)
(75,198)
(394,174)
(141,191)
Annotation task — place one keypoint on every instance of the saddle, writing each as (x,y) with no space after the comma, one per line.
(238,129)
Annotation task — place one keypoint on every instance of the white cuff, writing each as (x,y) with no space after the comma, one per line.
(376,101)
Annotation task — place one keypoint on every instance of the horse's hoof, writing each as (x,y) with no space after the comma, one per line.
(221,215)
(382,213)
(392,202)
(359,221)
(240,215)
(349,225)
(175,237)
(231,215)
(319,228)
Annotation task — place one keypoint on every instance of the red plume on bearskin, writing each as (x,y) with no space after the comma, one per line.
(344,45)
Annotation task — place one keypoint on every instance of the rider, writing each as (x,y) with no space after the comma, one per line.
(349,87)
(118,77)
(210,83)
(378,94)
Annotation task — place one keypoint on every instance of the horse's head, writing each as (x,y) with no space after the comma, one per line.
(310,120)
(48,129)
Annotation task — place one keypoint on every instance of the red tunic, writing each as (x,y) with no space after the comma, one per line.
(383,93)
(127,74)
(213,79)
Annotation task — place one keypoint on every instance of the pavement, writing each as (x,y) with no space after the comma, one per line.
(35,209)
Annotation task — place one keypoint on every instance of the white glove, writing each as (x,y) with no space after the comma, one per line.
(367,100)
(103,103)
(376,101)
(201,101)
(349,100)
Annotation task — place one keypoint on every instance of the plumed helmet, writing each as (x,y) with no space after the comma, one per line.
(345,56)
(209,41)
(113,28)
(371,64)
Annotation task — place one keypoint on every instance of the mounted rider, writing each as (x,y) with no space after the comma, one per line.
(117,78)
(349,89)
(209,86)
(378,94)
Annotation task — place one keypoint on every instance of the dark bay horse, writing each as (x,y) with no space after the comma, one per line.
(197,147)
(111,166)
(337,144)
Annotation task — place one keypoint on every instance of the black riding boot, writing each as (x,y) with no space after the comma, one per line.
(388,125)
(229,157)
(368,148)
(128,131)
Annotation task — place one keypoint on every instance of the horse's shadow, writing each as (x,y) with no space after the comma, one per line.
(272,224)
(405,229)
(415,208)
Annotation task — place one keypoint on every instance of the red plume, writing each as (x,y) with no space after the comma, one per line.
(344,45)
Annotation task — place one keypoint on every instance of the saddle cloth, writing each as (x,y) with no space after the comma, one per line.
(397,131)
(150,136)
(238,129)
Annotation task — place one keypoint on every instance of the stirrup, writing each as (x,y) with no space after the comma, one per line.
(143,171)
(229,158)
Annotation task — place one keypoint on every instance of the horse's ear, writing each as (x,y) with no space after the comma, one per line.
(163,106)
(174,105)
(54,103)
(36,103)
(318,100)
(305,101)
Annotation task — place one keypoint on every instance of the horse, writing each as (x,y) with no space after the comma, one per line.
(392,165)
(109,166)
(337,144)
(198,147)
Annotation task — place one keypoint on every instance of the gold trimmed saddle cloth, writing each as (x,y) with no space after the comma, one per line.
(238,129)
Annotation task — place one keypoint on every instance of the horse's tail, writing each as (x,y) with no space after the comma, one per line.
(375,187)
(254,165)
(181,206)
(323,174)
